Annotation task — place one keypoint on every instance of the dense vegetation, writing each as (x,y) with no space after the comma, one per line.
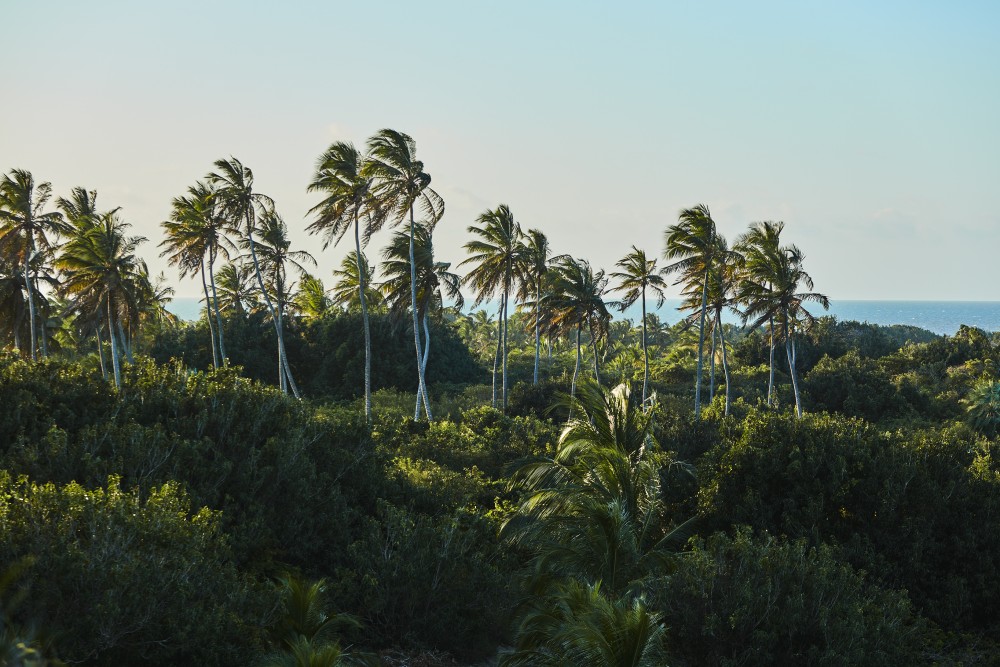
(271,484)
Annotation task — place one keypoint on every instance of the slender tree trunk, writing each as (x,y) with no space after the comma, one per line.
(17,336)
(549,338)
(506,297)
(215,305)
(790,352)
(496,355)
(593,344)
(115,364)
(364,319)
(208,316)
(576,369)
(43,334)
(645,354)
(32,316)
(100,353)
(725,357)
(282,362)
(421,381)
(538,331)
(125,343)
(711,367)
(274,316)
(423,364)
(770,379)
(701,348)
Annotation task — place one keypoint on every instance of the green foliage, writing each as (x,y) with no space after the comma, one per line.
(751,600)
(854,387)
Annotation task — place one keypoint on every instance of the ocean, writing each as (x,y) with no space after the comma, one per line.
(941,317)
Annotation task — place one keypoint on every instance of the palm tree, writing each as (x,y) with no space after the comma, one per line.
(195,232)
(535,264)
(578,299)
(495,256)
(983,407)
(346,292)
(758,249)
(233,183)
(24,231)
(638,273)
(341,176)
(103,272)
(773,292)
(435,283)
(275,257)
(400,184)
(311,300)
(692,244)
(235,293)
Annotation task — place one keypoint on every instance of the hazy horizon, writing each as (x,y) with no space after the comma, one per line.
(870,130)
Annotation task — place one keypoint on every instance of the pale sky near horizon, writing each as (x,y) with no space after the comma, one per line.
(872,129)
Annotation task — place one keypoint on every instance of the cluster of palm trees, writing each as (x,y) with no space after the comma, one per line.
(97,283)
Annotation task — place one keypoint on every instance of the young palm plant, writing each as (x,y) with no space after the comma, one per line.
(400,185)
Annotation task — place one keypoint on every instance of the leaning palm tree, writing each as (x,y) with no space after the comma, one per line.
(691,246)
(639,274)
(774,293)
(758,249)
(346,290)
(435,283)
(578,300)
(195,237)
(275,259)
(495,257)
(25,230)
(401,184)
(340,176)
(241,205)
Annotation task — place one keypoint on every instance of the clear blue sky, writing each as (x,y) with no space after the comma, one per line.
(871,128)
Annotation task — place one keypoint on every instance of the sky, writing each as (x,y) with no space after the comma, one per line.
(872,129)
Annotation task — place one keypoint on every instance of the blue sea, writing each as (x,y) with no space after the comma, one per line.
(941,317)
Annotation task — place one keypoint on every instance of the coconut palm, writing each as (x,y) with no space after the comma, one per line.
(340,175)
(273,249)
(639,274)
(195,237)
(400,185)
(311,299)
(691,246)
(345,292)
(241,206)
(235,293)
(25,230)
(435,283)
(536,260)
(758,249)
(578,300)
(773,292)
(496,259)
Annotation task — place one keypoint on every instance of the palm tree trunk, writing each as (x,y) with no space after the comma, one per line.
(496,356)
(215,304)
(274,316)
(538,332)
(506,296)
(701,348)
(770,379)
(421,381)
(31,297)
(44,329)
(208,316)
(593,343)
(645,354)
(576,369)
(790,352)
(423,363)
(364,319)
(115,364)
(711,367)
(125,343)
(725,357)
(100,352)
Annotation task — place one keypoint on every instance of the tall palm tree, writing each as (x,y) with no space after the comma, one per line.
(578,300)
(341,176)
(195,237)
(435,283)
(496,257)
(25,230)
(774,293)
(241,205)
(103,272)
(691,246)
(758,249)
(638,274)
(400,185)
(536,260)
(275,258)
(346,288)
